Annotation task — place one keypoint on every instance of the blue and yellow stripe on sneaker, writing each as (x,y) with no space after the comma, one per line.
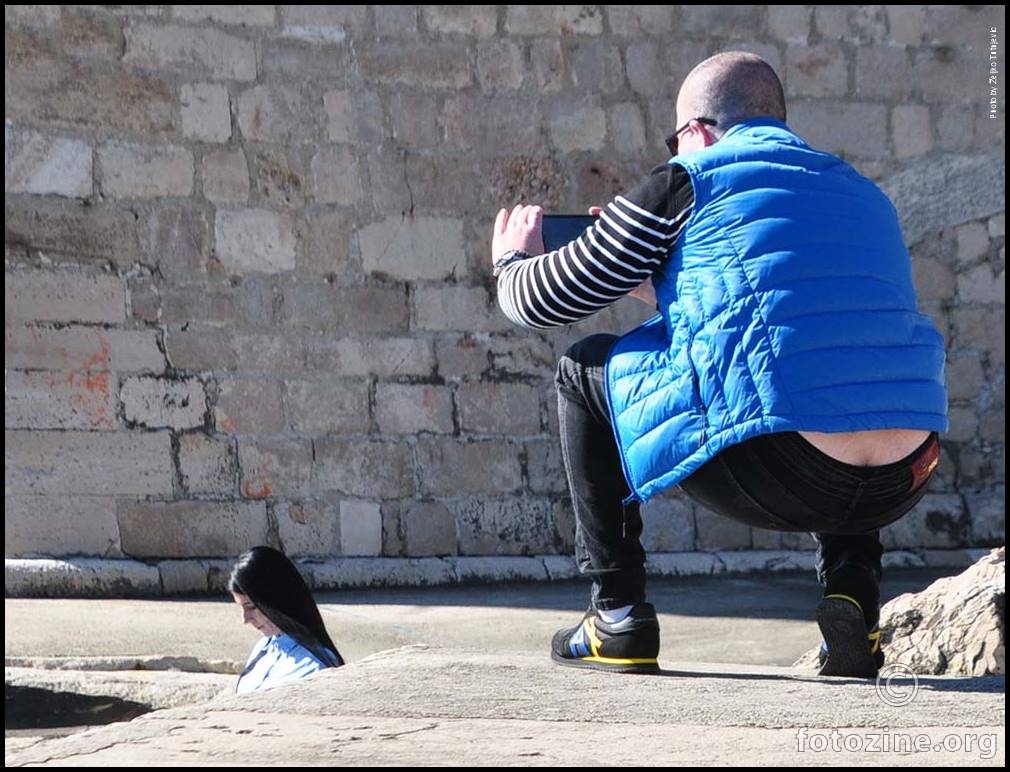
(628,646)
(848,648)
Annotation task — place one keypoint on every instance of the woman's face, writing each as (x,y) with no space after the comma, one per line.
(253,616)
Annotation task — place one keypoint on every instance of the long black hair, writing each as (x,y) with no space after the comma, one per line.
(272,582)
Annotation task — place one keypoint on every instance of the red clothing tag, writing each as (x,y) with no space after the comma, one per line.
(924,465)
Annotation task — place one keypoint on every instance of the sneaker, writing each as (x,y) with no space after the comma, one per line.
(848,648)
(628,646)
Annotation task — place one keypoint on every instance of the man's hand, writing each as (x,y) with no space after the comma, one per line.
(645,292)
(518,229)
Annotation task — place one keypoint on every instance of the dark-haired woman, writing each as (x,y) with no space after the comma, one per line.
(276,601)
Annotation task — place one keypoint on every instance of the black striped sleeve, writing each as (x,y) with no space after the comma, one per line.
(632,237)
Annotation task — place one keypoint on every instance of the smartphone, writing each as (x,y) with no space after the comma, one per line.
(559,229)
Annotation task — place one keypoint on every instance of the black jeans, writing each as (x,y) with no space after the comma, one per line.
(775,481)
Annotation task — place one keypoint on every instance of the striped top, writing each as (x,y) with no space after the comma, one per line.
(631,239)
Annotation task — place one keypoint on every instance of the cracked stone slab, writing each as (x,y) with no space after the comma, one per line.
(420,705)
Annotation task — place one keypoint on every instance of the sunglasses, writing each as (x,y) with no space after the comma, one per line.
(673,141)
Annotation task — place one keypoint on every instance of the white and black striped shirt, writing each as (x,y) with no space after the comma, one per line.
(632,237)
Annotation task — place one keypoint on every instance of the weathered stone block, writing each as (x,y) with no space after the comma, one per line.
(479,21)
(66,231)
(326,247)
(395,20)
(912,130)
(206,112)
(456,307)
(669,524)
(417,185)
(816,71)
(716,532)
(556,20)
(42,89)
(363,467)
(520,526)
(477,123)
(596,66)
(545,470)
(384,357)
(45,165)
(178,241)
(249,407)
(907,24)
(939,520)
(636,21)
(335,176)
(579,124)
(238,15)
(428,528)
(308,528)
(186,529)
(280,176)
(414,248)
(324,306)
(499,408)
(64,296)
(790,23)
(452,467)
(86,349)
(207,463)
(275,114)
(356,116)
(324,23)
(940,192)
(988,517)
(427,65)
(413,408)
(88,463)
(972,242)
(548,65)
(130,170)
(272,468)
(198,50)
(360,528)
(164,402)
(853,129)
(60,525)
(965,377)
(499,66)
(60,400)
(250,240)
(982,284)
(627,128)
(320,407)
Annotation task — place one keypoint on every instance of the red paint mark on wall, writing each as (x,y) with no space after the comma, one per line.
(100,359)
(255,489)
(88,394)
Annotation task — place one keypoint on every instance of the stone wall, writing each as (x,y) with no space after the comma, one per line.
(247,293)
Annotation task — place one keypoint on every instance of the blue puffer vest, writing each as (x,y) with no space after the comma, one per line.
(787,305)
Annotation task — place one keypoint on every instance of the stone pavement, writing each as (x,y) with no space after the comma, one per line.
(461,677)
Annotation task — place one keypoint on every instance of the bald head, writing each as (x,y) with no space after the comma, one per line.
(730,88)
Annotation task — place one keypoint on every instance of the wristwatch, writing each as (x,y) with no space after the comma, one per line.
(507,258)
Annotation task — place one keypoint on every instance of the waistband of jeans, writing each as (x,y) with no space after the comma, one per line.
(883,470)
